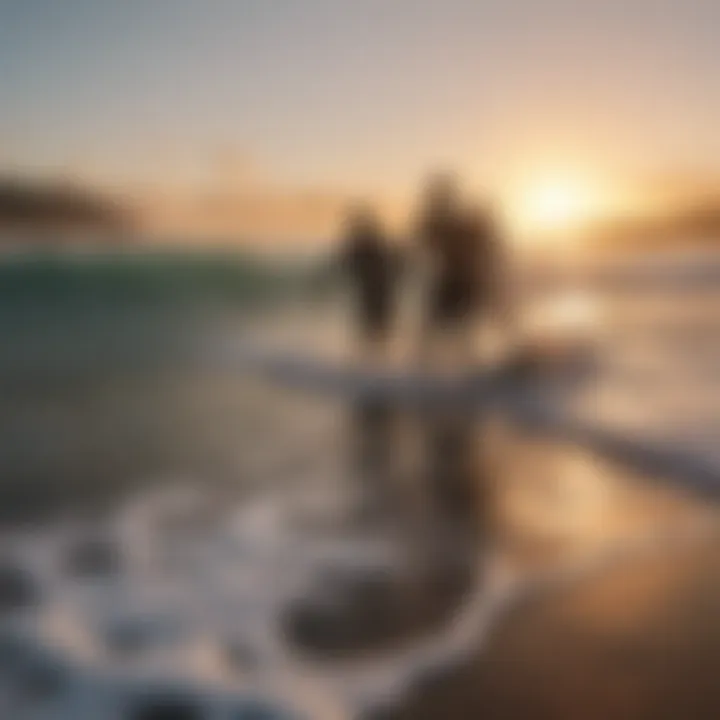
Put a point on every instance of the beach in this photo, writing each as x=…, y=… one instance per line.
x=325, y=557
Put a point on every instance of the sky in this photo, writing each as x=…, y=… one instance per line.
x=347, y=97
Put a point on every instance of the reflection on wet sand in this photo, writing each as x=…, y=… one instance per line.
x=423, y=562
x=640, y=640
x=613, y=579
x=618, y=613
x=417, y=479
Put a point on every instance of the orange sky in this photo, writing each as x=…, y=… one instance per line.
x=289, y=109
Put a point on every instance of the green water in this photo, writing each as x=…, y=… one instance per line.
x=100, y=385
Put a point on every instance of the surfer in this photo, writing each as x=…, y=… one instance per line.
x=446, y=242
x=467, y=275
x=373, y=268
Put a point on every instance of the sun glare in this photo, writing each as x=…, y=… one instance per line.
x=556, y=205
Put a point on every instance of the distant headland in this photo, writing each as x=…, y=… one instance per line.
x=46, y=211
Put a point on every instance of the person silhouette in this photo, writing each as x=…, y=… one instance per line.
x=466, y=266
x=372, y=266
x=445, y=241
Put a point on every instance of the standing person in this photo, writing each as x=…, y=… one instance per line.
x=446, y=240
x=468, y=268
x=372, y=267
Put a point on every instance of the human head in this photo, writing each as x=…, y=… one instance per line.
x=442, y=192
x=361, y=218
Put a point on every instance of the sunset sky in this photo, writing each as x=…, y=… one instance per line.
x=277, y=98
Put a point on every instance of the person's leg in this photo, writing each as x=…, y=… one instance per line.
x=459, y=321
x=377, y=334
x=437, y=325
x=427, y=334
x=472, y=323
x=466, y=352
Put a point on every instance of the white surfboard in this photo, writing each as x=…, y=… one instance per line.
x=528, y=388
x=530, y=365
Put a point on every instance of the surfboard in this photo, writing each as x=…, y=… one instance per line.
x=529, y=364
x=527, y=387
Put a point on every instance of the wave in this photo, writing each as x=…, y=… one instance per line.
x=163, y=275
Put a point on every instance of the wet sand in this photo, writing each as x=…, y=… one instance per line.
x=517, y=577
x=613, y=608
x=638, y=641
x=514, y=577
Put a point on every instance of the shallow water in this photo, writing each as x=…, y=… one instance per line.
x=349, y=590
x=195, y=537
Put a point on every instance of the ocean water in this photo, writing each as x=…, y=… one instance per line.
x=98, y=369
x=184, y=538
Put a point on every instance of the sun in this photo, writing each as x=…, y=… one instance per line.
x=555, y=205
